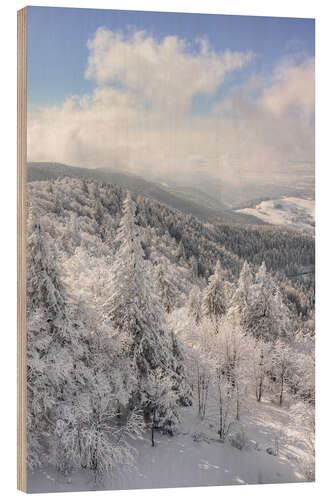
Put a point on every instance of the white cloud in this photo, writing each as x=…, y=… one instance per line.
x=293, y=88
x=163, y=74
x=144, y=123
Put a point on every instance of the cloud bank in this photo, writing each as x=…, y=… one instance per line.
x=141, y=115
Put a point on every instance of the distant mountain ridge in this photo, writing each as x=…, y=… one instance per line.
x=39, y=171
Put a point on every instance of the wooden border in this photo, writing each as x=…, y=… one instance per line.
x=21, y=249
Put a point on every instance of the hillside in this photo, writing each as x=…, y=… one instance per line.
x=285, y=252
x=293, y=213
x=203, y=207
x=195, y=457
x=133, y=309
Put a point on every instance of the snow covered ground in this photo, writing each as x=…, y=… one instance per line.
x=196, y=457
x=294, y=213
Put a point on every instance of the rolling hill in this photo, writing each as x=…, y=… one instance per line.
x=202, y=207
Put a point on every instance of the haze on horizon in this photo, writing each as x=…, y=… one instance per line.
x=174, y=100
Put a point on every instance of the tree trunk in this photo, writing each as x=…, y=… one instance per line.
x=220, y=410
x=152, y=429
x=281, y=393
x=203, y=385
x=259, y=391
x=206, y=385
x=199, y=399
x=237, y=403
x=261, y=364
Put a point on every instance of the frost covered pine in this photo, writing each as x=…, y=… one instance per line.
x=164, y=287
x=194, y=304
x=72, y=397
x=134, y=307
x=48, y=362
x=264, y=314
x=214, y=300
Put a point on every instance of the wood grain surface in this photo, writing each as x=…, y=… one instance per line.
x=21, y=250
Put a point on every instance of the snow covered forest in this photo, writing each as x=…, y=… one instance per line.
x=164, y=350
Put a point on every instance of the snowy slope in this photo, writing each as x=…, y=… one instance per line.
x=196, y=457
x=294, y=213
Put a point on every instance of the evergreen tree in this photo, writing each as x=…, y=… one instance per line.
x=180, y=386
x=194, y=304
x=73, y=374
x=133, y=307
x=165, y=289
x=193, y=262
x=180, y=253
x=266, y=317
x=241, y=299
x=161, y=400
x=245, y=282
x=214, y=300
x=49, y=354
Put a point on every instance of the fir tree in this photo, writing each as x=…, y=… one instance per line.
x=49, y=359
x=214, y=300
x=266, y=317
x=164, y=289
x=161, y=400
x=180, y=253
x=194, y=304
x=193, y=262
x=133, y=307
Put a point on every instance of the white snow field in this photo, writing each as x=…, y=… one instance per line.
x=294, y=213
x=196, y=457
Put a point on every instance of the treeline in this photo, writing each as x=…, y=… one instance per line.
x=285, y=251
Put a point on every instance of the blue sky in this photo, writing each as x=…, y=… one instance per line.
x=57, y=41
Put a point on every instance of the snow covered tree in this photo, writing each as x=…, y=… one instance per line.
x=103, y=444
x=44, y=288
x=260, y=364
x=214, y=301
x=302, y=376
x=48, y=356
x=194, y=303
x=266, y=316
x=58, y=206
x=84, y=186
x=226, y=405
x=161, y=401
x=98, y=211
x=165, y=289
x=71, y=237
x=70, y=383
x=230, y=352
x=180, y=253
x=180, y=386
x=303, y=417
x=203, y=361
x=244, y=284
x=58, y=356
x=242, y=295
x=133, y=305
x=193, y=263
x=282, y=366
